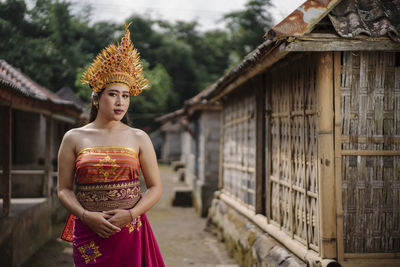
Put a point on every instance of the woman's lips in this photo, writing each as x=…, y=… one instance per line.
x=118, y=111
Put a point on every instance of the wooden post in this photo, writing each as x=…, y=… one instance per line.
x=338, y=156
x=326, y=153
x=47, y=163
x=7, y=146
x=268, y=145
x=221, y=150
x=258, y=83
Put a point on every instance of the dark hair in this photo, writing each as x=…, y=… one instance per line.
x=93, y=111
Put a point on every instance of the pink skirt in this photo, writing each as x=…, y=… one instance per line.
x=134, y=246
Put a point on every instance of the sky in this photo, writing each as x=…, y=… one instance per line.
x=206, y=12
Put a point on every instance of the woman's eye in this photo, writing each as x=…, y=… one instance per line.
x=125, y=96
x=112, y=94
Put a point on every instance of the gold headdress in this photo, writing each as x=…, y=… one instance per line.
x=117, y=64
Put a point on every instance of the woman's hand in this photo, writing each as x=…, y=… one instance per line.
x=98, y=222
x=119, y=217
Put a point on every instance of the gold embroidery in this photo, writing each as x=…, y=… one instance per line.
x=135, y=224
x=109, y=149
x=106, y=197
x=100, y=166
x=90, y=252
x=108, y=186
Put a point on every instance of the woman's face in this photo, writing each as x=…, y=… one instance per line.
x=114, y=102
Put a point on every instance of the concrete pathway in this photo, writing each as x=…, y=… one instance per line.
x=180, y=233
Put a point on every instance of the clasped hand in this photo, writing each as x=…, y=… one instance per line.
x=106, y=223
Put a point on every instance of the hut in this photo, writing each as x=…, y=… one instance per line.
x=170, y=131
x=198, y=163
x=33, y=121
x=200, y=150
x=310, y=158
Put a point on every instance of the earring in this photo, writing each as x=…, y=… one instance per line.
x=96, y=104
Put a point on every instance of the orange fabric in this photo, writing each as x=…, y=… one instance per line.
x=68, y=232
x=105, y=168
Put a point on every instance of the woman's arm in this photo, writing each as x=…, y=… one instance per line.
x=151, y=173
x=97, y=221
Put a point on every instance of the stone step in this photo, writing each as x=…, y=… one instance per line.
x=182, y=197
x=175, y=165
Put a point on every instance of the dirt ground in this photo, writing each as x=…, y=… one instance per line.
x=180, y=233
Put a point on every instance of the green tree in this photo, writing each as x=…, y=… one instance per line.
x=247, y=27
x=181, y=60
x=58, y=42
x=154, y=101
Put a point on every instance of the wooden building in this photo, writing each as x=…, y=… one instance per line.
x=33, y=121
x=310, y=144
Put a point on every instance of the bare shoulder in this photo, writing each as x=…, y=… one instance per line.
x=73, y=136
x=138, y=133
x=143, y=139
x=70, y=136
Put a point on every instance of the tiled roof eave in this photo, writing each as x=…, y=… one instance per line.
x=13, y=94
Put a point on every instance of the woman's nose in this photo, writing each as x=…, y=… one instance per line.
x=119, y=101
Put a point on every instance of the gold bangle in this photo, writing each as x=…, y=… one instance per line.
x=131, y=215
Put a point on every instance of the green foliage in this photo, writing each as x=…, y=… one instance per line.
x=247, y=27
x=83, y=91
x=53, y=47
x=152, y=102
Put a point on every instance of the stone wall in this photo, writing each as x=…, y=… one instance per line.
x=26, y=229
x=171, y=149
x=207, y=161
x=188, y=157
x=247, y=243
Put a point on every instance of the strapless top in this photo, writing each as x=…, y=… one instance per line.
x=107, y=177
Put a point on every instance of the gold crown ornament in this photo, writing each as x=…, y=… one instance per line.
x=117, y=64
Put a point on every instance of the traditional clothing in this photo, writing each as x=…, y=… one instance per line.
x=107, y=178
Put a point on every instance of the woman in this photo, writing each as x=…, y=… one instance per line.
x=107, y=224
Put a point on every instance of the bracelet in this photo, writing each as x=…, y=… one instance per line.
x=131, y=215
x=83, y=215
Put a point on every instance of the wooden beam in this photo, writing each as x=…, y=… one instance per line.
x=374, y=256
x=387, y=140
x=238, y=120
x=26, y=172
x=258, y=83
x=47, y=162
x=370, y=153
x=326, y=183
x=341, y=45
x=63, y=118
x=7, y=147
x=238, y=167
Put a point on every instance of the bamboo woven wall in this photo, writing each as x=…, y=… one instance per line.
x=293, y=180
x=239, y=145
x=370, y=106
